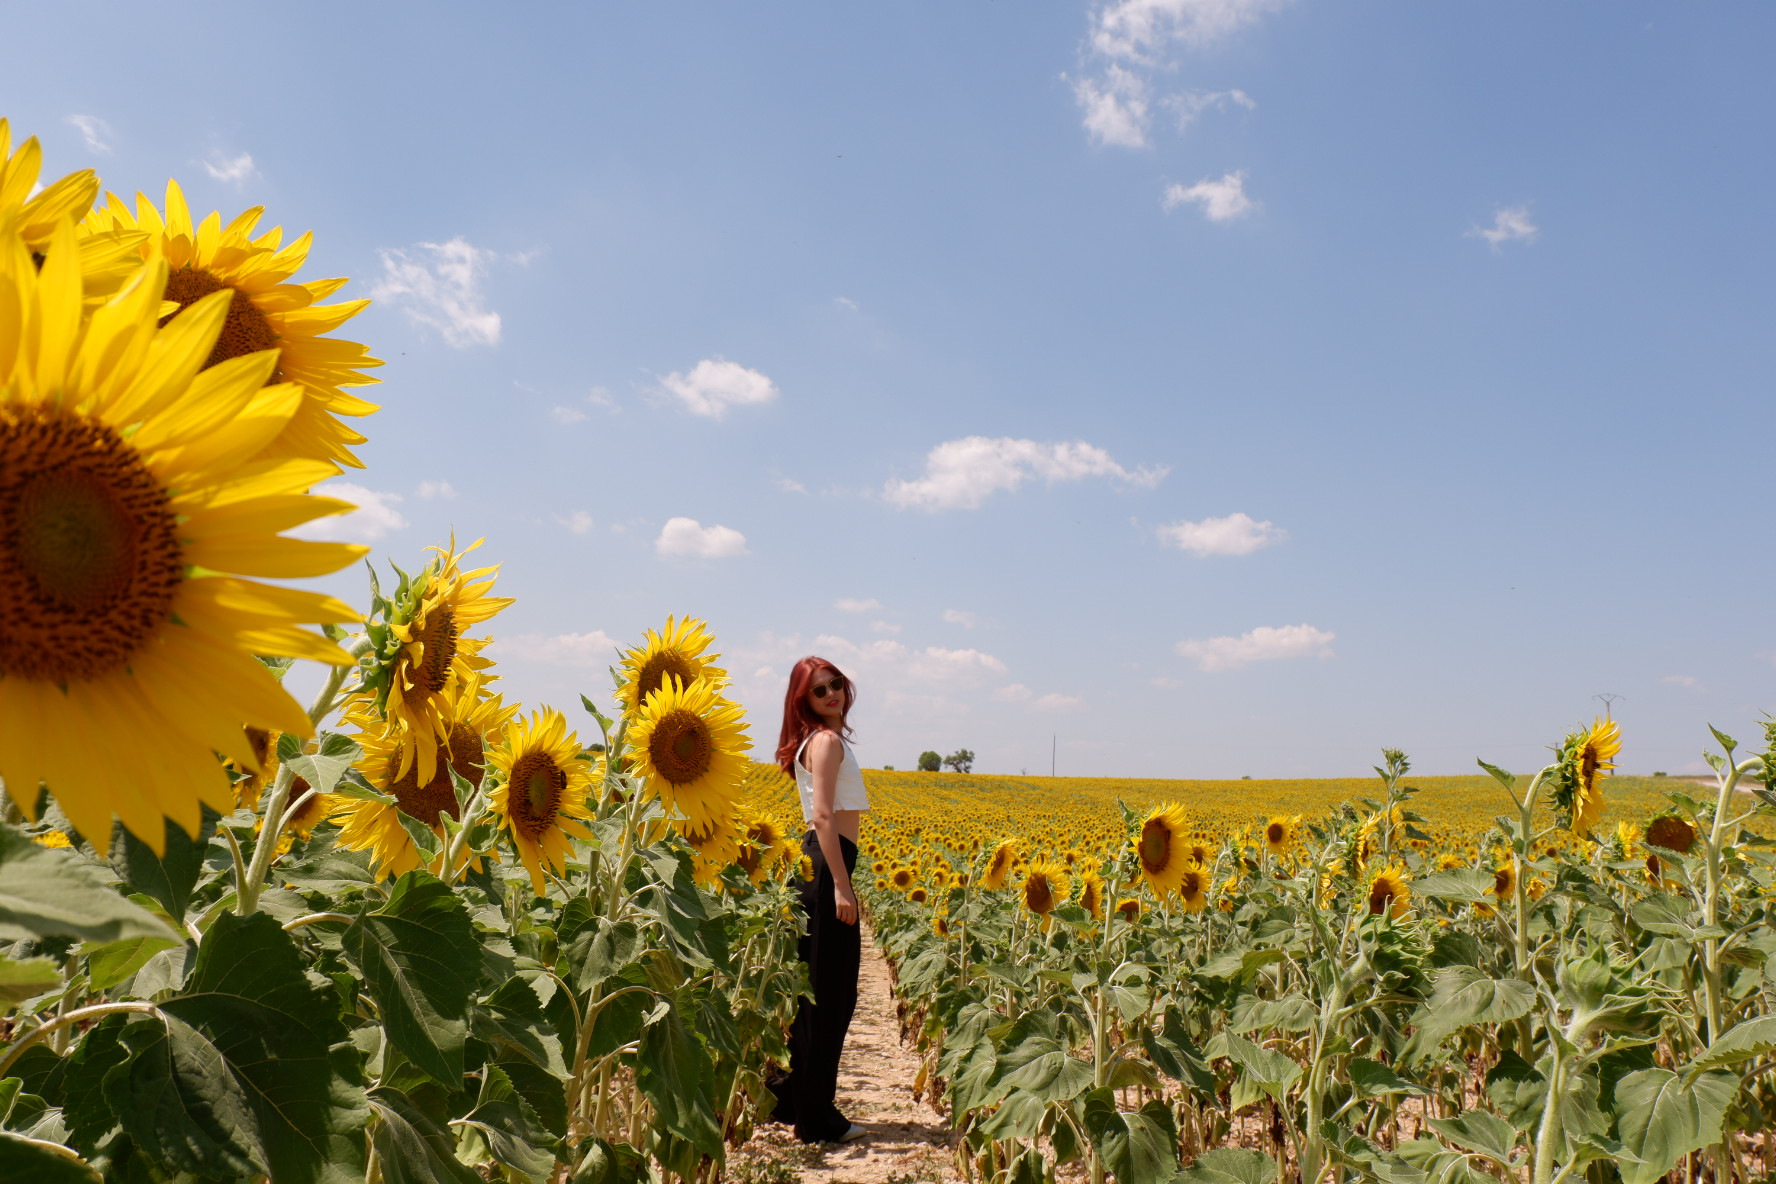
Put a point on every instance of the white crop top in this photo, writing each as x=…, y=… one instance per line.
x=848, y=792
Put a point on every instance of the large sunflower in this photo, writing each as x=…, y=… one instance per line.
x=1279, y=834
x=541, y=798
x=127, y=517
x=1045, y=888
x=1091, y=895
x=675, y=652
x=1586, y=758
x=766, y=845
x=687, y=743
x=1388, y=891
x=106, y=260
x=1193, y=888
x=376, y=826
x=1161, y=847
x=266, y=311
x=422, y=655
x=999, y=864
x=717, y=846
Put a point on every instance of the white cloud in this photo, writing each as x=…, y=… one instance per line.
x=687, y=536
x=1138, y=29
x=1015, y=692
x=1680, y=680
x=232, y=170
x=374, y=518
x=845, y=302
x=566, y=415
x=715, y=384
x=1057, y=702
x=600, y=396
x=1221, y=201
x=1236, y=534
x=1510, y=224
x=1115, y=107
x=1263, y=644
x=850, y=604
x=436, y=489
x=961, y=474
x=1166, y=683
x=596, y=649
x=956, y=616
x=579, y=521
x=791, y=485
x=1188, y=105
x=94, y=130
x=883, y=627
x=439, y=285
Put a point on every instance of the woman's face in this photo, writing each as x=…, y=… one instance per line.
x=828, y=695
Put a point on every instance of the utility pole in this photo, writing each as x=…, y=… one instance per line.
x=1609, y=698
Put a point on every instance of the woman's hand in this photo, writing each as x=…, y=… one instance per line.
x=845, y=903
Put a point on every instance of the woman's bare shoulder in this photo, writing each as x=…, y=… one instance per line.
x=824, y=742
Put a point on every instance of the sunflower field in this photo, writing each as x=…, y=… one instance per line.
x=1229, y=993
x=407, y=933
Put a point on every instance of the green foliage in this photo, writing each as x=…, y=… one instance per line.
x=929, y=762
x=962, y=760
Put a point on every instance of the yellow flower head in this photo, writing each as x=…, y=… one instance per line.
x=1091, y=895
x=688, y=743
x=676, y=652
x=1280, y=834
x=1586, y=758
x=1046, y=887
x=128, y=518
x=1388, y=891
x=541, y=797
x=999, y=864
x=765, y=846
x=267, y=310
x=1130, y=908
x=1161, y=847
x=717, y=848
x=1670, y=832
x=1193, y=888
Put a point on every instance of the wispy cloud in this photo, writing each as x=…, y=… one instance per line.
x=956, y=616
x=962, y=474
x=884, y=627
x=845, y=302
x=436, y=489
x=1055, y=701
x=595, y=650
x=1510, y=224
x=566, y=415
x=1680, y=680
x=716, y=384
x=1221, y=201
x=373, y=519
x=1236, y=534
x=1141, y=29
x=231, y=170
x=95, y=130
x=688, y=538
x=1263, y=644
x=1115, y=107
x=850, y=604
x=579, y=521
x=791, y=485
x=438, y=285
x=1187, y=106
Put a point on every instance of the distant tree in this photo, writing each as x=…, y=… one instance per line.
x=929, y=762
x=962, y=760
x=887, y=768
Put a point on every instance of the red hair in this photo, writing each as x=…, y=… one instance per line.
x=798, y=718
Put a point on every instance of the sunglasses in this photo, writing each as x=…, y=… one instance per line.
x=836, y=686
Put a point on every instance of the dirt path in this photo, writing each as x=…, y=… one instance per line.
x=908, y=1142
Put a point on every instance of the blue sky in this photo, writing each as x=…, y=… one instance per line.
x=1222, y=386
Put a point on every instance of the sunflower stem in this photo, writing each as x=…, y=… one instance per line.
x=77, y=1016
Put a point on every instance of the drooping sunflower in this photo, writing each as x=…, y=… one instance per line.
x=675, y=652
x=1504, y=881
x=421, y=655
x=376, y=827
x=541, y=796
x=1280, y=833
x=1388, y=891
x=1046, y=887
x=766, y=845
x=127, y=521
x=1193, y=888
x=252, y=780
x=717, y=848
x=1161, y=848
x=918, y=896
x=1091, y=895
x=1586, y=758
x=1670, y=832
x=688, y=742
x=267, y=311
x=1130, y=908
x=999, y=864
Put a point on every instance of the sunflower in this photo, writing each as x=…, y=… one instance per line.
x=687, y=742
x=376, y=826
x=675, y=652
x=541, y=797
x=717, y=848
x=999, y=864
x=249, y=784
x=266, y=311
x=805, y=870
x=106, y=260
x=422, y=656
x=1130, y=908
x=1193, y=887
x=1045, y=887
x=1388, y=891
x=918, y=896
x=901, y=878
x=940, y=925
x=1586, y=758
x=1229, y=887
x=1504, y=881
x=1161, y=848
x=765, y=846
x=1280, y=833
x=1091, y=895
x=127, y=517
x=1670, y=832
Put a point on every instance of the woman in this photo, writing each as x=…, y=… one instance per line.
x=812, y=749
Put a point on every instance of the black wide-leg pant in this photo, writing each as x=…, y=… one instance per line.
x=832, y=951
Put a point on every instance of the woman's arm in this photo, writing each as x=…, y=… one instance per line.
x=824, y=756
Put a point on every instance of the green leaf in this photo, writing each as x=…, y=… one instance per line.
x=177, y=1099
x=510, y=1127
x=1374, y=1079
x=1741, y=1042
x=420, y=962
x=411, y=1148
x=42, y=1162
x=599, y=950
x=1230, y=1165
x=674, y=1072
x=1139, y=1147
x=1054, y=1076
x=1464, y=995
x=27, y=978
x=323, y=768
x=169, y=877
x=1499, y=775
x=109, y=963
x=611, y=1163
x=1468, y=885
x=1478, y=1130
x=249, y=997
x=1661, y=1119
x=48, y=892
x=1271, y=1070
x=1172, y=1050
x=1292, y=1013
